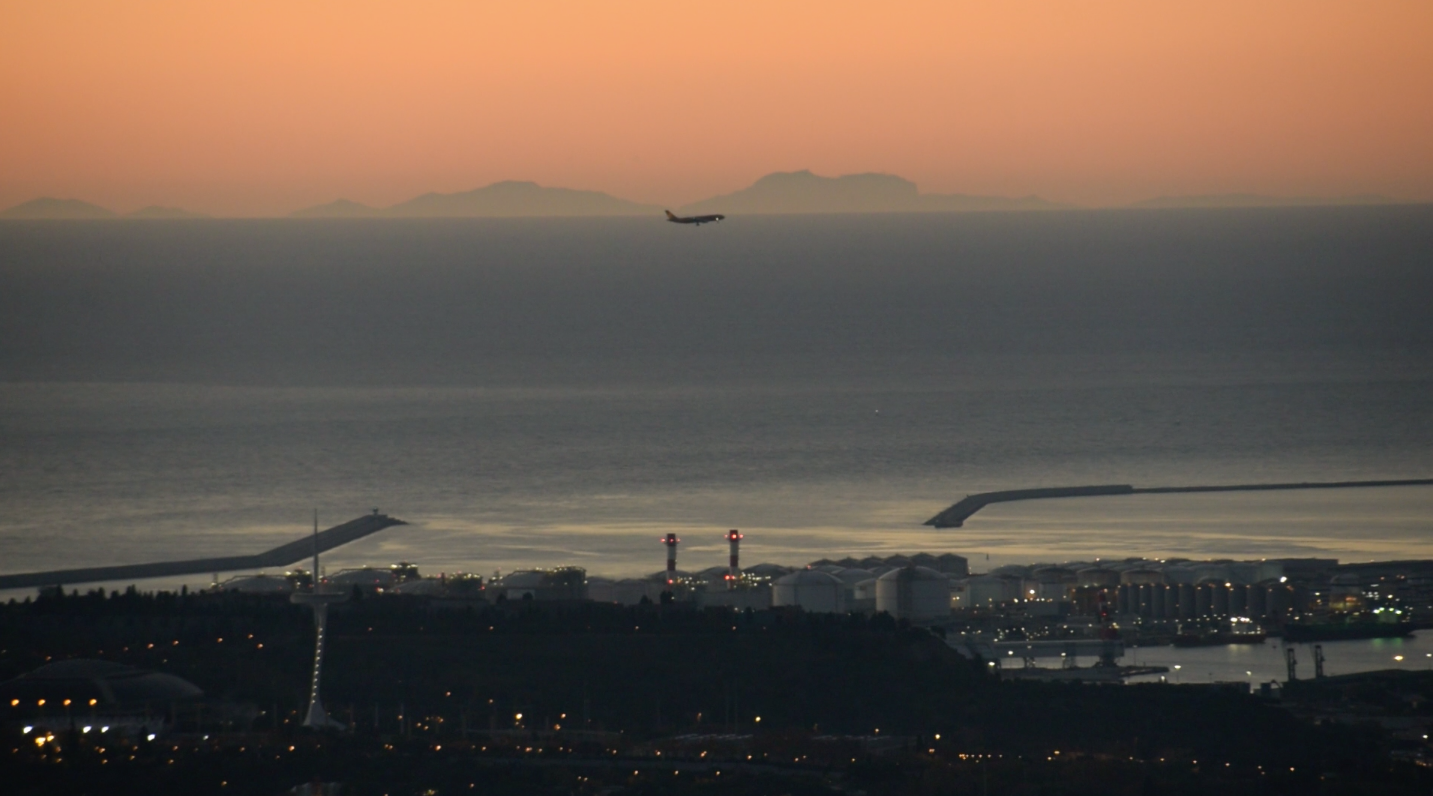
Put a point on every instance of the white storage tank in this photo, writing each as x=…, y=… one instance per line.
x=1141, y=577
x=368, y=579
x=1179, y=573
x=1098, y=576
x=850, y=577
x=953, y=565
x=919, y=594
x=258, y=584
x=810, y=590
x=1245, y=572
x=1212, y=572
x=988, y=590
x=431, y=587
x=865, y=590
x=1050, y=583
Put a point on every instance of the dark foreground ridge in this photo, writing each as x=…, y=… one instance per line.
x=957, y=514
x=576, y=698
x=280, y=556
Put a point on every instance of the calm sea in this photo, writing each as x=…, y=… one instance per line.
x=543, y=392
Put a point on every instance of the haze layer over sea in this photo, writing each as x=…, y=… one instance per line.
x=561, y=391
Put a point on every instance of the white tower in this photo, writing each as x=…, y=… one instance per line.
x=319, y=600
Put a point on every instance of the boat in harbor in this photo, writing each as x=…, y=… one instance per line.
x=1345, y=631
x=1219, y=638
x=1236, y=631
x=1379, y=623
x=1080, y=674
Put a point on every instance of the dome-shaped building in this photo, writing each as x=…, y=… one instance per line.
x=865, y=590
x=81, y=693
x=850, y=577
x=1098, y=576
x=422, y=587
x=766, y=570
x=110, y=685
x=1141, y=577
x=369, y=579
x=860, y=588
x=258, y=584
x=919, y=594
x=1050, y=583
x=987, y=591
x=817, y=592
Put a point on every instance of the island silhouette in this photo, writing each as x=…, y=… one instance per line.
x=783, y=192
x=805, y=192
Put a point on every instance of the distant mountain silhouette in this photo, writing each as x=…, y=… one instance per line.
x=804, y=192
x=501, y=199
x=338, y=208
x=1259, y=200
x=46, y=207
x=156, y=211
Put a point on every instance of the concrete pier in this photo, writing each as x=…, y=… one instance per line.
x=281, y=556
x=958, y=513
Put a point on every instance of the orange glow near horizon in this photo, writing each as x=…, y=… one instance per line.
x=263, y=107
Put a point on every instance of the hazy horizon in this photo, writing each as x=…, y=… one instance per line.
x=734, y=202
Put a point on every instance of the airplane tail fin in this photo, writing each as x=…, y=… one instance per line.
x=670, y=215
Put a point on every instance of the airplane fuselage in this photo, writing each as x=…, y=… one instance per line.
x=697, y=220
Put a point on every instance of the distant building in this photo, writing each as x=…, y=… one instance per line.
x=257, y=584
x=919, y=594
x=562, y=583
x=94, y=695
x=810, y=590
x=373, y=580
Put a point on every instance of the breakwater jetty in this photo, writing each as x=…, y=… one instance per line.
x=280, y=556
x=957, y=514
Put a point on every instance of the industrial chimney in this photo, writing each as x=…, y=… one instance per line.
x=671, y=543
x=733, y=538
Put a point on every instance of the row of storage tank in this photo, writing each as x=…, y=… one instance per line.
x=923, y=594
x=1191, y=601
x=910, y=591
x=1137, y=571
x=1149, y=593
x=916, y=593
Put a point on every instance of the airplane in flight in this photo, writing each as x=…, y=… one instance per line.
x=698, y=220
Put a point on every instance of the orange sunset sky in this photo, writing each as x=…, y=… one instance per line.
x=259, y=107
